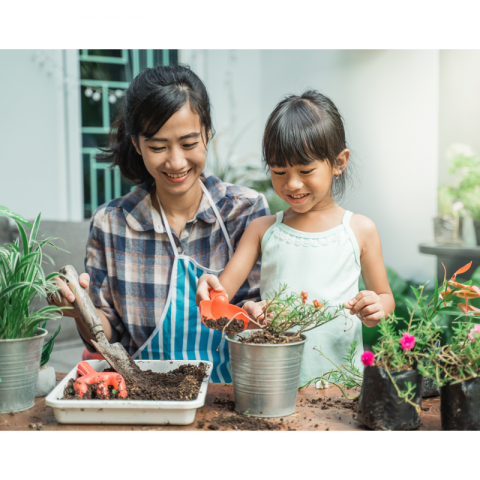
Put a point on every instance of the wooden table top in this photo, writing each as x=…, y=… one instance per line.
x=219, y=401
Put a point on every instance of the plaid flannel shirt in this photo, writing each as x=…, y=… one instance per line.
x=130, y=259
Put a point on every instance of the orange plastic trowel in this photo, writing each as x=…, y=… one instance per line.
x=219, y=307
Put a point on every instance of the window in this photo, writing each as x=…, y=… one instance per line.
x=105, y=75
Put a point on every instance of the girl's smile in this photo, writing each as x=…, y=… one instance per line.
x=298, y=198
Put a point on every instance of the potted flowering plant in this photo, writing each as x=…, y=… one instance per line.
x=391, y=389
x=21, y=335
x=455, y=367
x=266, y=362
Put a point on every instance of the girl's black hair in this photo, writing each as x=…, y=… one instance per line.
x=154, y=95
x=303, y=129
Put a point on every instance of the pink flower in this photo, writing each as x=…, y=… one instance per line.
x=407, y=342
x=367, y=358
x=475, y=329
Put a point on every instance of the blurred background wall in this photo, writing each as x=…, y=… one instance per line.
x=40, y=134
x=402, y=109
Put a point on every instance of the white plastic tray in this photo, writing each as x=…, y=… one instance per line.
x=137, y=412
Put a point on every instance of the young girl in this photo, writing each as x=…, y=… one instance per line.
x=315, y=246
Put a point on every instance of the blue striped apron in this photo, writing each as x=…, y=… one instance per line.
x=180, y=333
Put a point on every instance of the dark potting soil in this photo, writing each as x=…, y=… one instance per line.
x=229, y=404
x=234, y=326
x=183, y=383
x=328, y=403
x=264, y=336
x=242, y=422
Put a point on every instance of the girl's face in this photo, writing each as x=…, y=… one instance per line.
x=175, y=156
x=307, y=187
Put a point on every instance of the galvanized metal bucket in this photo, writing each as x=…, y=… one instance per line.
x=265, y=377
x=19, y=364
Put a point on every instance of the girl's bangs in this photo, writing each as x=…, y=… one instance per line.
x=294, y=139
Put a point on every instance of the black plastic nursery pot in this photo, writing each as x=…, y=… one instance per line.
x=460, y=405
x=380, y=407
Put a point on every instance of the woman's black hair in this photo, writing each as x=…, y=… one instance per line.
x=154, y=95
x=303, y=129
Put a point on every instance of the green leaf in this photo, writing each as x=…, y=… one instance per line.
x=36, y=225
x=6, y=212
x=48, y=347
x=23, y=235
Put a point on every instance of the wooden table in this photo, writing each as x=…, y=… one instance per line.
x=307, y=416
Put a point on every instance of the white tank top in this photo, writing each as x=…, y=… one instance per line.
x=326, y=265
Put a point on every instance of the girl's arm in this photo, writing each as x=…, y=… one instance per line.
x=240, y=265
x=377, y=301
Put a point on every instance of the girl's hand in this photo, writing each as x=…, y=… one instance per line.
x=254, y=310
x=64, y=297
x=206, y=283
x=367, y=306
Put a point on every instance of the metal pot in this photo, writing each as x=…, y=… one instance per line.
x=265, y=377
x=19, y=364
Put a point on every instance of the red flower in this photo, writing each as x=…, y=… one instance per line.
x=407, y=342
x=317, y=304
x=367, y=358
x=304, y=296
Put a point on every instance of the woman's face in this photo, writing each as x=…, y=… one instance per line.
x=175, y=156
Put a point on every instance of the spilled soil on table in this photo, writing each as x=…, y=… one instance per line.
x=241, y=422
x=183, y=383
x=266, y=337
x=234, y=326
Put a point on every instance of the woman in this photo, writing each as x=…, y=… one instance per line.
x=146, y=250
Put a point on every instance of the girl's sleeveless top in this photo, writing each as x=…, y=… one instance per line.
x=325, y=265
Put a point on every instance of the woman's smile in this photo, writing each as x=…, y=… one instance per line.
x=177, y=177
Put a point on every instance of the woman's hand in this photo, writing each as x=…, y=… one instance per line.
x=206, y=283
x=367, y=306
x=64, y=297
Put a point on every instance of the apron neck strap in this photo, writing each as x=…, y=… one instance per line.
x=219, y=218
x=215, y=210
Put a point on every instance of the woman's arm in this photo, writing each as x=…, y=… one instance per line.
x=377, y=301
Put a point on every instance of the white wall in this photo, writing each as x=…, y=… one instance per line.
x=40, y=159
x=233, y=81
x=459, y=120
x=390, y=103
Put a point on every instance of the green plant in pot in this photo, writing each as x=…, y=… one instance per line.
x=266, y=362
x=391, y=389
x=455, y=367
x=21, y=335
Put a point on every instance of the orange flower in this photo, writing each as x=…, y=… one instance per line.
x=465, y=291
x=317, y=304
x=304, y=296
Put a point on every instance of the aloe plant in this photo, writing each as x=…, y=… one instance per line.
x=22, y=279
